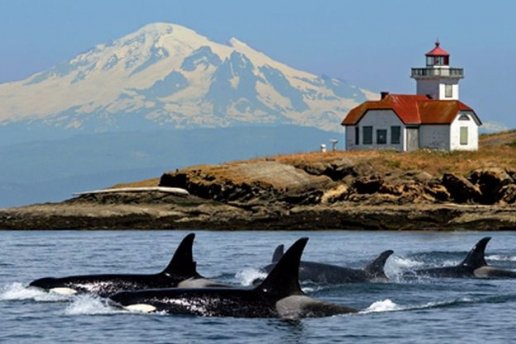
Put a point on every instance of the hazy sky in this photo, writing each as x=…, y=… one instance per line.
x=372, y=44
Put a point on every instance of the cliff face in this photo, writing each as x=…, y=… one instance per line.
x=341, y=180
x=424, y=190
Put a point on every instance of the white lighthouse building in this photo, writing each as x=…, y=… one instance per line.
x=433, y=118
x=438, y=80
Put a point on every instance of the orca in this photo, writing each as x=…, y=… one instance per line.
x=279, y=295
x=181, y=271
x=473, y=266
x=332, y=274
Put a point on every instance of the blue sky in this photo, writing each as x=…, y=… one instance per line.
x=372, y=44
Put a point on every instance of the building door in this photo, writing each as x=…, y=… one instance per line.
x=412, y=139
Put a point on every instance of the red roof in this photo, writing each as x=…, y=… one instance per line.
x=411, y=109
x=437, y=51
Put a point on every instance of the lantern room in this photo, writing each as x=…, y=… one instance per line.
x=437, y=56
x=437, y=79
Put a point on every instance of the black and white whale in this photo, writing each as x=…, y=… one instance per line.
x=474, y=265
x=279, y=295
x=180, y=272
x=333, y=274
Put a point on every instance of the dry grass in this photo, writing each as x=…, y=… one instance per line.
x=142, y=183
x=497, y=139
x=496, y=150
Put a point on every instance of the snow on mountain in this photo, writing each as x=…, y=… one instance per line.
x=167, y=74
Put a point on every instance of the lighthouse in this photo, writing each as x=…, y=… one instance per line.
x=434, y=118
x=438, y=80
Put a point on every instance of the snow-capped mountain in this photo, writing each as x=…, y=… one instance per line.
x=166, y=74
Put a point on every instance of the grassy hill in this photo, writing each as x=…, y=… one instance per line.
x=495, y=150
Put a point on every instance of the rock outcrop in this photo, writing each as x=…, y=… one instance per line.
x=280, y=193
x=461, y=189
x=339, y=181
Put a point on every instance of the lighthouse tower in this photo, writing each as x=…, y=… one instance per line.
x=438, y=80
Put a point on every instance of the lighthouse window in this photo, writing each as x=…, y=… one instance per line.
x=381, y=136
x=367, y=135
x=448, y=91
x=463, y=136
x=395, y=135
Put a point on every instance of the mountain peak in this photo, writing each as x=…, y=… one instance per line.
x=157, y=27
x=235, y=43
x=161, y=30
x=168, y=74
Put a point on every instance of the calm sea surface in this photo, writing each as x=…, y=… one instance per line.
x=401, y=311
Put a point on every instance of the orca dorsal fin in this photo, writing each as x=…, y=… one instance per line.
x=278, y=253
x=375, y=269
x=182, y=263
x=475, y=257
x=283, y=280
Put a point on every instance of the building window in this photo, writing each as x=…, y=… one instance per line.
x=395, y=135
x=381, y=136
x=448, y=91
x=464, y=118
x=367, y=135
x=463, y=136
x=357, y=136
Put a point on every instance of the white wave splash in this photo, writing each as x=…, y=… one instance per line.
x=382, y=306
x=449, y=262
x=396, y=265
x=501, y=258
x=389, y=306
x=17, y=291
x=247, y=276
x=89, y=305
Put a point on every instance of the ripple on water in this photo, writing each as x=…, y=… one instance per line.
x=414, y=310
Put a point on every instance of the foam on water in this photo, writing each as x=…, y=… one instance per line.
x=437, y=304
x=247, y=276
x=396, y=265
x=308, y=290
x=501, y=258
x=449, y=263
x=17, y=291
x=89, y=305
x=389, y=306
x=382, y=306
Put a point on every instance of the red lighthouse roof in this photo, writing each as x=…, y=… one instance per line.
x=412, y=109
x=437, y=51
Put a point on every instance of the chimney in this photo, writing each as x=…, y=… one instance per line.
x=384, y=94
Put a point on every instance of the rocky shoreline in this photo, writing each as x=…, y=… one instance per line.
x=336, y=191
x=223, y=217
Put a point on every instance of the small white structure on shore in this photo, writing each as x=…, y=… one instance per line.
x=433, y=118
x=176, y=191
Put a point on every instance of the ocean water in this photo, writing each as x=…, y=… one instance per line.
x=399, y=311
